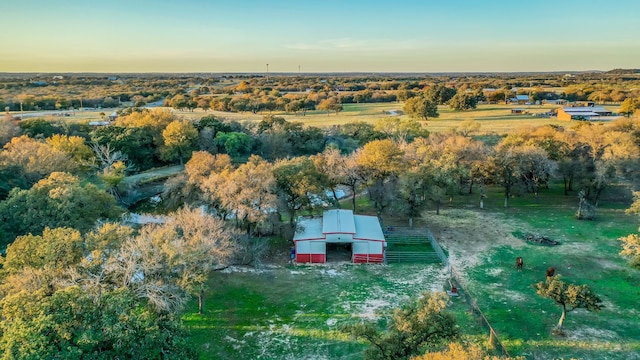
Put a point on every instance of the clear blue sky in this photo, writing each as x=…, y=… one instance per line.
x=327, y=35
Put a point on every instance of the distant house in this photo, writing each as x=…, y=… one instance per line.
x=58, y=77
x=113, y=116
x=518, y=111
x=360, y=233
x=555, y=102
x=582, y=113
x=520, y=99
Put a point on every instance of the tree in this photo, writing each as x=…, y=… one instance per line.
x=11, y=176
x=439, y=94
x=298, y=182
x=56, y=249
x=8, y=130
x=569, y=296
x=74, y=146
x=463, y=101
x=379, y=163
x=418, y=326
x=631, y=243
x=421, y=108
x=412, y=187
x=179, y=140
x=330, y=104
x=233, y=143
x=468, y=127
x=505, y=163
x=629, y=106
x=72, y=324
x=36, y=159
x=462, y=351
x=38, y=128
x=136, y=143
x=401, y=129
x=534, y=167
x=202, y=243
x=631, y=249
x=60, y=200
x=249, y=193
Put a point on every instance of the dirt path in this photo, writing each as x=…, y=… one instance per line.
x=467, y=234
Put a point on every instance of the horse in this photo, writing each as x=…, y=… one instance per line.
x=519, y=263
x=551, y=271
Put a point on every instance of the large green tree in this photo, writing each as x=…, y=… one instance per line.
x=60, y=200
x=421, y=108
x=179, y=140
x=463, y=101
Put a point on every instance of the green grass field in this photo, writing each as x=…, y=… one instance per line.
x=294, y=312
x=494, y=118
x=588, y=254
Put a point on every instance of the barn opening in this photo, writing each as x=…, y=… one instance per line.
x=339, y=252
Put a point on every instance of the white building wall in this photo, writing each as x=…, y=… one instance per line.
x=318, y=247
x=367, y=247
x=303, y=247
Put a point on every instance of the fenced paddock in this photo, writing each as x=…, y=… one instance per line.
x=410, y=245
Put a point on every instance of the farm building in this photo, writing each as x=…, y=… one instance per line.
x=554, y=101
x=520, y=100
x=360, y=235
x=582, y=113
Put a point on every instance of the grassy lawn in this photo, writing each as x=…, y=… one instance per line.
x=294, y=312
x=588, y=254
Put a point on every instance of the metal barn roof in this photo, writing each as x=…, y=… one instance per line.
x=362, y=227
x=368, y=227
x=338, y=222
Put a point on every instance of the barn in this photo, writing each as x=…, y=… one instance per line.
x=361, y=235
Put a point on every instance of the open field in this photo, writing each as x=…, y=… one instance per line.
x=494, y=118
x=483, y=248
x=294, y=312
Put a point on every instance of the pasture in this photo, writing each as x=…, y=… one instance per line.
x=483, y=246
x=493, y=118
x=292, y=312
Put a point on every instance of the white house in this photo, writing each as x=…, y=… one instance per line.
x=361, y=232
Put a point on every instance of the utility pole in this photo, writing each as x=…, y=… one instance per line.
x=267, y=73
x=298, y=69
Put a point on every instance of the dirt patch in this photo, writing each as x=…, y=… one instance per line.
x=591, y=334
x=466, y=234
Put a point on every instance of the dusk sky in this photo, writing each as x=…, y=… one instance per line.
x=320, y=36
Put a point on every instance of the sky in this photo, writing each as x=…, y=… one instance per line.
x=224, y=36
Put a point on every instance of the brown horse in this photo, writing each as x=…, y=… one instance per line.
x=551, y=271
x=519, y=263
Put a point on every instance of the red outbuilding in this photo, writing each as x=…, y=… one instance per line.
x=361, y=233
